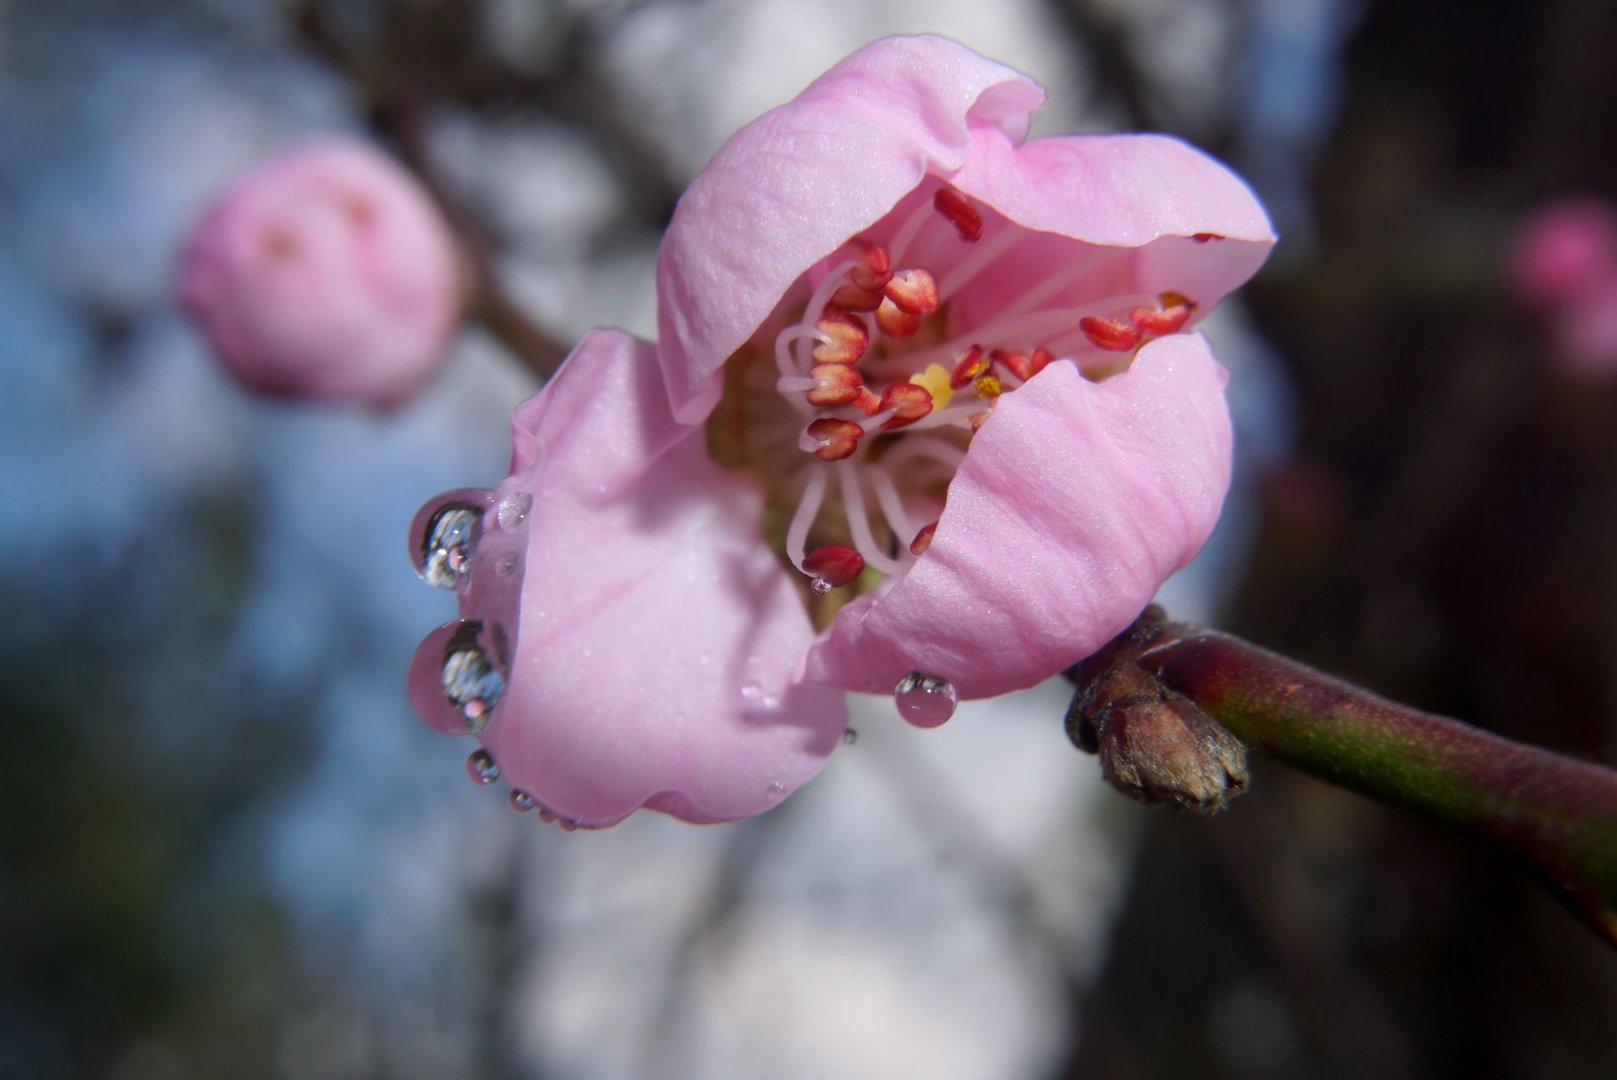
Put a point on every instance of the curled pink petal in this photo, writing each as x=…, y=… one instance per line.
x=1075, y=502
x=1173, y=218
x=651, y=634
x=798, y=182
x=326, y=273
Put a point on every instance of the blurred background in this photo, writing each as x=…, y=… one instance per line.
x=231, y=850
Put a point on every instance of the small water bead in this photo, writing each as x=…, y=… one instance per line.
x=470, y=682
x=447, y=544
x=820, y=586
x=513, y=509
x=520, y=800
x=849, y=736
x=925, y=700
x=481, y=767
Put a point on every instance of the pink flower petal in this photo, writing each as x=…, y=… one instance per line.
x=794, y=185
x=656, y=635
x=1074, y=503
x=1178, y=220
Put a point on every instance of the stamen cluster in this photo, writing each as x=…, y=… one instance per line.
x=857, y=366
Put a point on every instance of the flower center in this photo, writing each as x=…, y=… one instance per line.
x=857, y=412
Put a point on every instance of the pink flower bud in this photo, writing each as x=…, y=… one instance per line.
x=326, y=272
x=1564, y=249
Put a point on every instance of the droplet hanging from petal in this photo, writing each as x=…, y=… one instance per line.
x=481, y=767
x=470, y=683
x=925, y=700
x=444, y=537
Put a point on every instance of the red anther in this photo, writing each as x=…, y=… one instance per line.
x=872, y=268
x=1109, y=333
x=846, y=337
x=1013, y=362
x=866, y=402
x=1152, y=322
x=968, y=367
x=834, y=564
x=894, y=321
x=923, y=539
x=1203, y=237
x=958, y=209
x=840, y=384
x=837, y=438
x=1040, y=360
x=913, y=290
x=853, y=298
x=909, y=402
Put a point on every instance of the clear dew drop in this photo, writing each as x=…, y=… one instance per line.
x=752, y=693
x=504, y=565
x=520, y=800
x=820, y=586
x=481, y=767
x=776, y=789
x=849, y=736
x=470, y=682
x=447, y=544
x=513, y=509
x=925, y=700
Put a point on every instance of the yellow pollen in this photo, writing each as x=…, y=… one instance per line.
x=988, y=386
x=935, y=381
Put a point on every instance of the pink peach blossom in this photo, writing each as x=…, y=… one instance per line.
x=325, y=273
x=921, y=385
x=1087, y=485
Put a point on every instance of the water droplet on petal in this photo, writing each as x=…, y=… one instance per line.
x=451, y=683
x=520, y=800
x=480, y=766
x=751, y=692
x=513, y=509
x=776, y=789
x=566, y=824
x=504, y=565
x=849, y=736
x=445, y=534
x=470, y=682
x=546, y=815
x=925, y=700
x=820, y=586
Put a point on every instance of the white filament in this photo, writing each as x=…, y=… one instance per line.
x=853, y=504
x=808, y=508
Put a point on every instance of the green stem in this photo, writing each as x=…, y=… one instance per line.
x=1558, y=813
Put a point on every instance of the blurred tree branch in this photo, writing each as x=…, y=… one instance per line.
x=426, y=54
